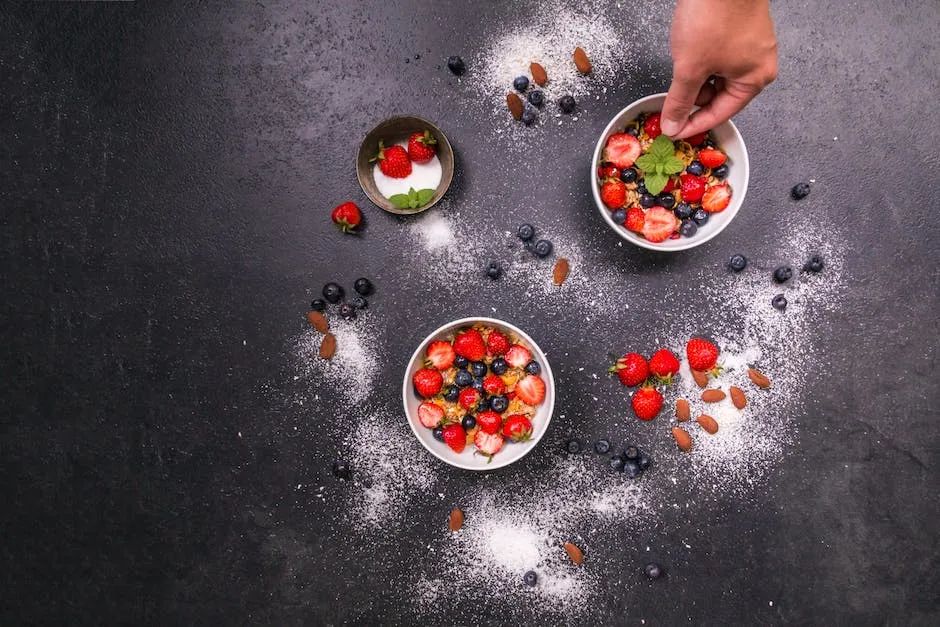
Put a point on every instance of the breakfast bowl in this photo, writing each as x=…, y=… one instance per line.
x=429, y=181
x=478, y=406
x=711, y=186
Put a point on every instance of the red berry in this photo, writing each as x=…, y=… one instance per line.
x=421, y=147
x=489, y=421
x=518, y=356
x=651, y=125
x=347, y=217
x=614, y=193
x=716, y=198
x=697, y=140
x=658, y=224
x=469, y=344
x=493, y=385
x=664, y=364
x=692, y=187
x=488, y=443
x=517, y=428
x=670, y=184
x=711, y=158
x=702, y=354
x=430, y=414
x=440, y=355
x=497, y=343
x=631, y=369
x=622, y=150
x=635, y=219
x=455, y=437
x=427, y=382
x=607, y=171
x=393, y=161
x=531, y=390
x=468, y=398
x=646, y=403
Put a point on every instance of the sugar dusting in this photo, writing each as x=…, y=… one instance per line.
x=352, y=368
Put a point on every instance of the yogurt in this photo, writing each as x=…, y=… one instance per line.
x=423, y=176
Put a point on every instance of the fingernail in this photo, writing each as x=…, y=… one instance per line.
x=669, y=127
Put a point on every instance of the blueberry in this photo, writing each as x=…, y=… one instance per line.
x=695, y=168
x=536, y=98
x=815, y=264
x=499, y=404
x=478, y=369
x=737, y=262
x=463, y=379
x=530, y=578
x=318, y=304
x=499, y=366
x=666, y=200
x=438, y=433
x=526, y=232
x=363, y=286
x=721, y=171
x=520, y=83
x=709, y=142
x=619, y=216
x=644, y=460
x=688, y=228
x=456, y=65
x=478, y=383
x=468, y=422
x=341, y=470
x=494, y=270
x=628, y=175
x=779, y=302
x=360, y=303
x=573, y=446
x=647, y=200
x=529, y=116
x=700, y=216
x=632, y=130
x=451, y=393
x=483, y=404
x=631, y=452
x=332, y=292
x=347, y=311
x=602, y=447
x=461, y=362
x=542, y=248
x=653, y=570
x=683, y=211
x=631, y=468
x=566, y=104
x=533, y=367
x=616, y=463
x=783, y=274
x=641, y=187
x=800, y=191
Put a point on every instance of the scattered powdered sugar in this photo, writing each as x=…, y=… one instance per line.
x=434, y=231
x=353, y=366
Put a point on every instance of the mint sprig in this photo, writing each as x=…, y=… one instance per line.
x=658, y=163
x=413, y=199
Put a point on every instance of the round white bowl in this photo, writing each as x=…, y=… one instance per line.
x=511, y=451
x=730, y=141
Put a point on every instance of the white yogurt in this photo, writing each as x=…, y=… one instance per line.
x=423, y=176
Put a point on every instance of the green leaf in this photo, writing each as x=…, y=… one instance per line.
x=673, y=165
x=655, y=183
x=660, y=168
x=425, y=196
x=662, y=147
x=647, y=162
x=400, y=200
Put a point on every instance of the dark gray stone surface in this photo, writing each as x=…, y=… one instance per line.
x=166, y=179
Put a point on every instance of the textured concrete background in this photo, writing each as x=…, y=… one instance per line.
x=165, y=179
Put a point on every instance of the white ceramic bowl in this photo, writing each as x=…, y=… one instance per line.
x=730, y=141
x=511, y=451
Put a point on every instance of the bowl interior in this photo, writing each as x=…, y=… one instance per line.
x=512, y=451
x=391, y=131
x=730, y=141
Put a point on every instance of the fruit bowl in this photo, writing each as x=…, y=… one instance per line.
x=470, y=459
x=728, y=139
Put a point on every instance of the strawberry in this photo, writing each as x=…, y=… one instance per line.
x=631, y=369
x=697, y=140
x=658, y=224
x=702, y=354
x=622, y=150
x=692, y=187
x=670, y=184
x=455, y=437
x=664, y=364
x=421, y=146
x=497, y=343
x=614, y=193
x=393, y=161
x=488, y=443
x=347, y=217
x=493, y=385
x=607, y=171
x=469, y=344
x=531, y=390
x=651, y=125
x=468, y=398
x=489, y=421
x=517, y=428
x=646, y=403
x=716, y=198
x=440, y=355
x=711, y=158
x=635, y=219
x=518, y=356
x=427, y=382
x=430, y=414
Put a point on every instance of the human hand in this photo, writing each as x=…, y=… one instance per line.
x=730, y=40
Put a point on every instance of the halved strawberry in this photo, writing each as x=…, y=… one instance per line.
x=488, y=443
x=470, y=344
x=518, y=356
x=607, y=171
x=497, y=343
x=716, y=198
x=455, y=437
x=430, y=414
x=692, y=187
x=658, y=224
x=622, y=150
x=441, y=354
x=489, y=421
x=468, y=398
x=517, y=428
x=651, y=125
x=635, y=219
x=531, y=390
x=711, y=158
x=493, y=385
x=613, y=193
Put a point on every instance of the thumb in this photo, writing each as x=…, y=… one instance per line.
x=679, y=102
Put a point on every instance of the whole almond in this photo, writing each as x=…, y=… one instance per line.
x=328, y=346
x=758, y=378
x=683, y=439
x=576, y=555
x=708, y=423
x=538, y=73
x=514, y=103
x=737, y=397
x=560, y=273
x=701, y=378
x=683, y=411
x=318, y=321
x=581, y=61
x=456, y=519
x=713, y=396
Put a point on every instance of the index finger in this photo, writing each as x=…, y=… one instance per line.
x=726, y=103
x=679, y=101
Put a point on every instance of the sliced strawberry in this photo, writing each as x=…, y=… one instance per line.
x=531, y=390
x=651, y=125
x=622, y=150
x=692, y=187
x=635, y=219
x=658, y=224
x=470, y=344
x=517, y=428
x=488, y=443
x=430, y=414
x=716, y=198
x=697, y=140
x=518, y=356
x=607, y=171
x=614, y=193
x=441, y=354
x=497, y=343
x=711, y=158
x=493, y=385
x=455, y=437
x=469, y=397
x=489, y=421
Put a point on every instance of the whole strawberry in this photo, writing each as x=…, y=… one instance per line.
x=702, y=354
x=646, y=403
x=427, y=382
x=489, y=421
x=631, y=369
x=455, y=437
x=347, y=217
x=469, y=344
x=497, y=343
x=493, y=385
x=517, y=428
x=393, y=161
x=613, y=193
x=664, y=364
x=421, y=146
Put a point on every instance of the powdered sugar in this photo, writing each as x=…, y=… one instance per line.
x=352, y=368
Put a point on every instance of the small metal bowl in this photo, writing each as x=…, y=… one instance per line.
x=391, y=131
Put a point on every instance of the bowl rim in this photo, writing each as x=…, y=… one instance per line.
x=736, y=202
x=546, y=372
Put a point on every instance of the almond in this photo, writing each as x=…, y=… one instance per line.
x=758, y=378
x=576, y=555
x=713, y=396
x=456, y=519
x=683, y=411
x=318, y=321
x=701, y=378
x=328, y=346
x=708, y=423
x=560, y=273
x=514, y=103
x=683, y=439
x=737, y=397
x=538, y=74
x=581, y=61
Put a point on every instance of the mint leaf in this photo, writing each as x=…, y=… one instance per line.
x=662, y=147
x=400, y=200
x=425, y=196
x=672, y=165
x=646, y=162
x=660, y=168
x=655, y=182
